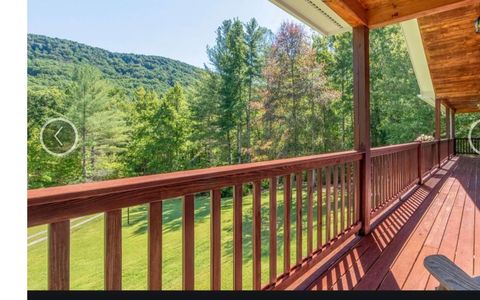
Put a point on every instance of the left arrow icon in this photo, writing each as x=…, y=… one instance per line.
x=56, y=136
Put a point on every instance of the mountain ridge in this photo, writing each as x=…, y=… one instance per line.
x=51, y=61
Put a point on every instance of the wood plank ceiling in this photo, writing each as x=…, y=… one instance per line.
x=453, y=53
x=451, y=45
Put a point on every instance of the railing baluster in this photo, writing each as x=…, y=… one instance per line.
x=215, y=240
x=342, y=197
x=357, y=192
x=309, y=212
x=319, y=209
x=155, y=245
x=384, y=180
x=59, y=256
x=349, y=194
x=287, y=202
x=335, y=203
x=113, y=250
x=273, y=229
x=256, y=235
x=328, y=203
x=298, y=182
x=237, y=237
x=188, y=239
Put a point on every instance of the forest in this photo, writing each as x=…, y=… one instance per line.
x=265, y=94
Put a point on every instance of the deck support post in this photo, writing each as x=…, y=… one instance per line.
x=453, y=133
x=361, y=103
x=419, y=163
x=448, y=128
x=438, y=112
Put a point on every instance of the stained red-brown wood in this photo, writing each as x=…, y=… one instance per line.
x=309, y=212
x=256, y=235
x=188, y=241
x=319, y=209
x=379, y=13
x=420, y=164
x=454, y=71
x=215, y=240
x=59, y=256
x=155, y=245
x=328, y=215
x=273, y=229
x=113, y=250
x=299, y=220
x=342, y=197
x=50, y=205
x=349, y=194
x=287, y=202
x=361, y=103
x=237, y=237
x=433, y=220
x=335, y=201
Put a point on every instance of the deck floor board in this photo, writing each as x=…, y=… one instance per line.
x=442, y=216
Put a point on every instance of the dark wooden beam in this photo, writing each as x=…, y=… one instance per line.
x=383, y=13
x=350, y=10
x=361, y=99
x=387, y=13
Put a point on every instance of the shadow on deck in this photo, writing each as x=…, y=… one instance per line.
x=442, y=216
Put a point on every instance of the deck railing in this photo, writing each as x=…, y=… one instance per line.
x=320, y=193
x=429, y=157
x=328, y=181
x=394, y=171
x=462, y=145
x=444, y=149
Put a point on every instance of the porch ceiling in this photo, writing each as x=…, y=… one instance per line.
x=452, y=49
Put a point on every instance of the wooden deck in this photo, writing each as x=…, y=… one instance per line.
x=442, y=216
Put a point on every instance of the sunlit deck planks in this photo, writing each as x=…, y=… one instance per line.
x=443, y=216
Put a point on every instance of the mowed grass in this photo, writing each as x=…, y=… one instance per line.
x=87, y=245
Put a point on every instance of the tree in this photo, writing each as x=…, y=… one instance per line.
x=228, y=58
x=206, y=134
x=296, y=90
x=256, y=41
x=92, y=107
x=158, y=140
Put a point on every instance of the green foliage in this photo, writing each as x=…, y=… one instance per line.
x=464, y=122
x=266, y=96
x=296, y=95
x=158, y=139
x=51, y=62
x=101, y=126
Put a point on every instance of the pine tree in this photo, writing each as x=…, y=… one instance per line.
x=255, y=39
x=228, y=58
x=93, y=109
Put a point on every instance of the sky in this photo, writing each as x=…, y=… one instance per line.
x=178, y=29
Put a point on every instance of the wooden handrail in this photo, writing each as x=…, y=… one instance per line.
x=49, y=205
x=379, y=151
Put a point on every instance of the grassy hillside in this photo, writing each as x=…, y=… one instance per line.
x=51, y=61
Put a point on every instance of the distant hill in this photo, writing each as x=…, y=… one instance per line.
x=51, y=61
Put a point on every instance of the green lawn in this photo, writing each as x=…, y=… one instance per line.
x=86, y=262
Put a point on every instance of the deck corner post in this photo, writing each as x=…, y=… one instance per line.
x=419, y=163
x=448, y=127
x=452, y=131
x=438, y=112
x=361, y=99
